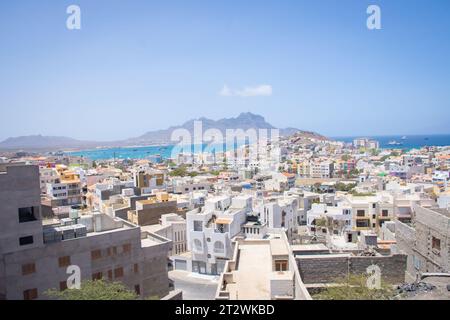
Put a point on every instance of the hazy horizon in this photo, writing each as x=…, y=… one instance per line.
x=140, y=66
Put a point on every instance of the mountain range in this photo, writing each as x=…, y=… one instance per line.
x=244, y=121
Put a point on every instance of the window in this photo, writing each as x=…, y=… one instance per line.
x=62, y=285
x=136, y=268
x=96, y=254
x=219, y=247
x=198, y=245
x=30, y=294
x=362, y=223
x=281, y=265
x=26, y=240
x=198, y=226
x=28, y=268
x=110, y=275
x=97, y=276
x=126, y=248
x=26, y=214
x=118, y=272
x=436, y=243
x=384, y=212
x=374, y=205
x=360, y=213
x=64, y=261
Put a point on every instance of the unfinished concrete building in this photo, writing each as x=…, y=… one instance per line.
x=149, y=211
x=35, y=254
x=426, y=241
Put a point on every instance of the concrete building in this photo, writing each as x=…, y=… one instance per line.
x=366, y=143
x=279, y=213
x=280, y=182
x=322, y=169
x=210, y=231
x=65, y=190
x=47, y=176
x=426, y=241
x=369, y=212
x=262, y=269
x=172, y=227
x=188, y=185
x=147, y=180
x=35, y=254
x=149, y=211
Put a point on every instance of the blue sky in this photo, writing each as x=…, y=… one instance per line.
x=136, y=66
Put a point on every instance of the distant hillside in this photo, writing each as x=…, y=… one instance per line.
x=43, y=142
x=244, y=121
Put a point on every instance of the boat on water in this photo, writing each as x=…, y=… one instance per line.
x=394, y=143
x=404, y=138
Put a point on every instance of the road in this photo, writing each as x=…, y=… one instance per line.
x=194, y=287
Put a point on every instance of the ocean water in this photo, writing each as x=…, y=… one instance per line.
x=154, y=153
x=409, y=142
x=157, y=153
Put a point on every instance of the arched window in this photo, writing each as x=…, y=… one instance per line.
x=198, y=245
x=219, y=247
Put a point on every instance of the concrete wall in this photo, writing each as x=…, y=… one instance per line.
x=326, y=268
x=405, y=237
x=19, y=188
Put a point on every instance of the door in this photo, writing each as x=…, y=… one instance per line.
x=180, y=265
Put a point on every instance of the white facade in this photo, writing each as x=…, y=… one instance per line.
x=211, y=229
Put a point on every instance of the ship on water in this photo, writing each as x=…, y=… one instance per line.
x=394, y=143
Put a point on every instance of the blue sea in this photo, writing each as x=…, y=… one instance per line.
x=156, y=153
x=407, y=142
x=153, y=153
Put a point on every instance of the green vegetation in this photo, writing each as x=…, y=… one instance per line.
x=355, y=288
x=362, y=194
x=193, y=174
x=95, y=290
x=345, y=187
x=181, y=171
x=321, y=222
x=215, y=172
x=171, y=164
x=345, y=157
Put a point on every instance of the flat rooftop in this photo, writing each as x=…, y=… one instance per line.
x=444, y=212
x=252, y=278
x=254, y=271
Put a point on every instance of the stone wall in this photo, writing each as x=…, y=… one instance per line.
x=327, y=268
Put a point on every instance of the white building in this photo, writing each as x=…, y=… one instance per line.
x=211, y=229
